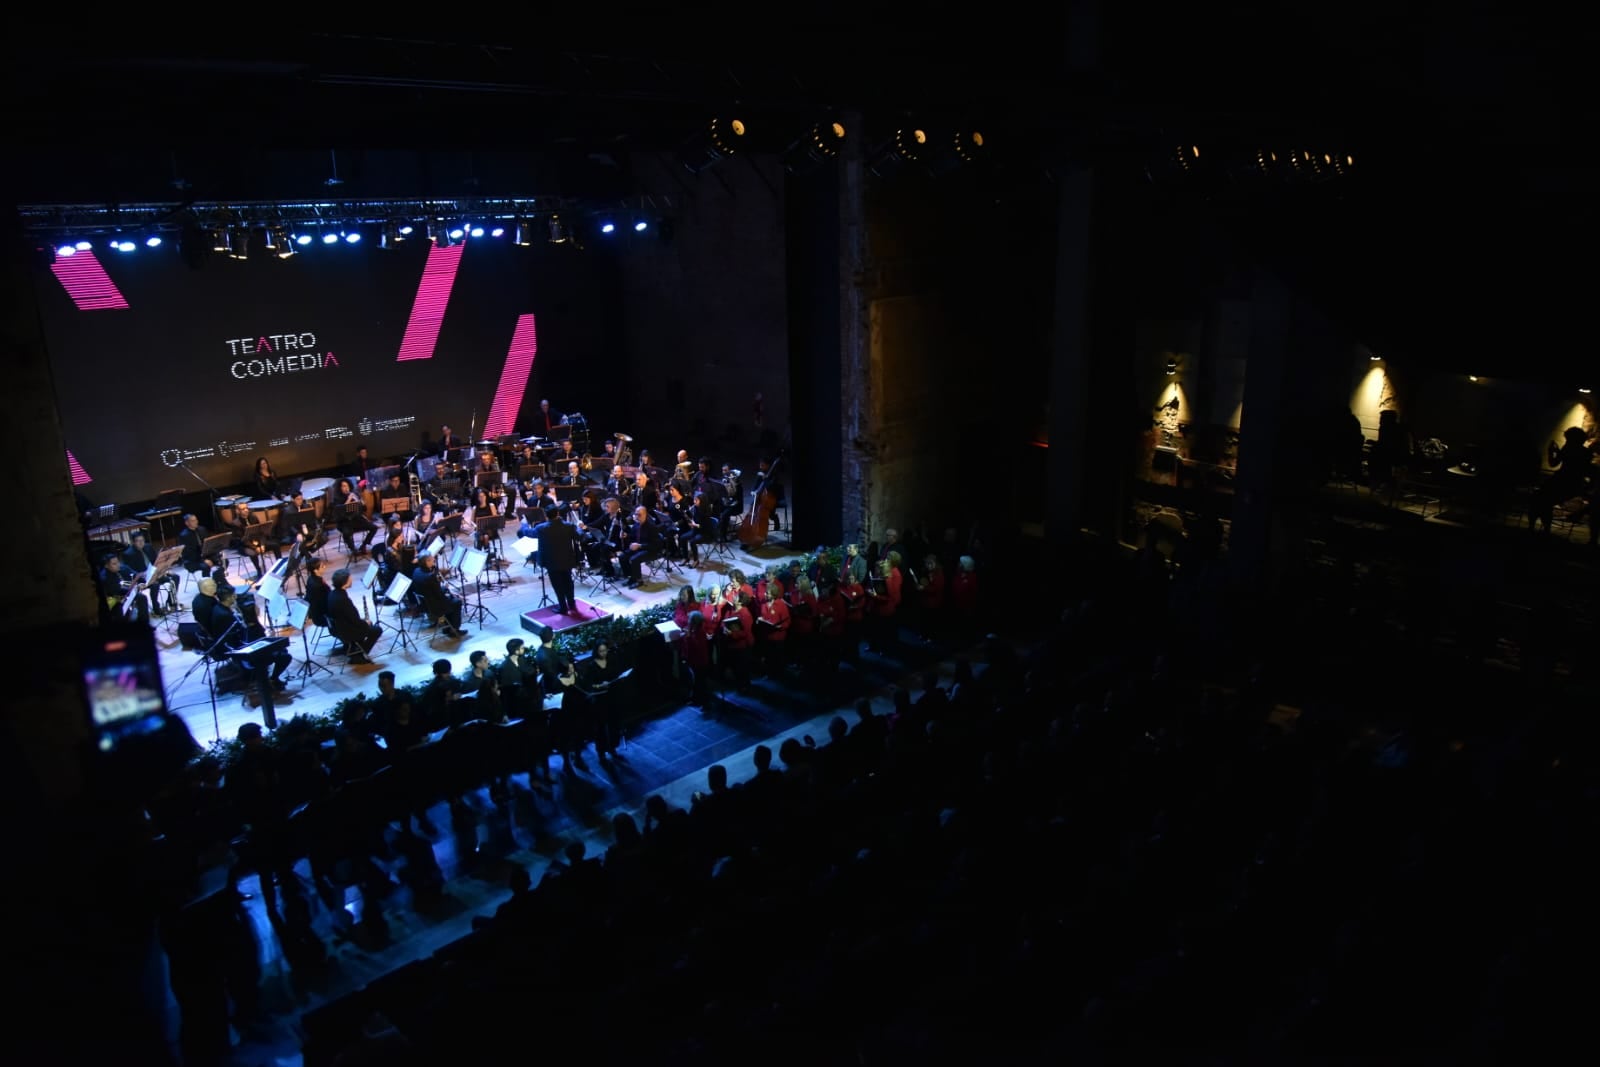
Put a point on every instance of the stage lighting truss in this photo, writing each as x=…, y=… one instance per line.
x=907, y=147
x=239, y=229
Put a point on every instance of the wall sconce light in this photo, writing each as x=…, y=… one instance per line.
x=1472, y=377
x=1172, y=367
x=1584, y=391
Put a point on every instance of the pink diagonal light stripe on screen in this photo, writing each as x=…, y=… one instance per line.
x=513, y=379
x=79, y=475
x=433, y=296
x=87, y=282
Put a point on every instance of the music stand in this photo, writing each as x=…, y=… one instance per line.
x=308, y=666
x=211, y=683
x=256, y=534
x=396, y=595
x=489, y=530
x=215, y=546
x=472, y=563
x=269, y=591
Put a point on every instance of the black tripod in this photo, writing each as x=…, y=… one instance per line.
x=211, y=683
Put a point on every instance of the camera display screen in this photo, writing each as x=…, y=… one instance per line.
x=123, y=687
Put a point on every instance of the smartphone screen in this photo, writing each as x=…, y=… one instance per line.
x=122, y=684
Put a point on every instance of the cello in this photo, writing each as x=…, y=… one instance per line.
x=763, y=502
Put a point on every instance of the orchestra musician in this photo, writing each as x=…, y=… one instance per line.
x=606, y=536
x=352, y=517
x=140, y=556
x=768, y=481
x=732, y=496
x=248, y=546
x=442, y=606
x=675, y=511
x=644, y=543
x=266, y=480
x=565, y=455
x=574, y=474
x=345, y=620
x=228, y=625
x=488, y=463
x=558, y=555
x=683, y=468
x=116, y=585
x=483, y=507
x=698, y=526
x=548, y=420
x=643, y=494
x=298, y=526
x=192, y=537
x=447, y=441
x=589, y=513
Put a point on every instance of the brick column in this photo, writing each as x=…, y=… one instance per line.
x=860, y=417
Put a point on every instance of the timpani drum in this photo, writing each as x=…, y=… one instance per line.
x=316, y=492
x=265, y=510
x=227, y=507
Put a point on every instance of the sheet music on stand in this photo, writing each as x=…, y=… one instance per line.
x=368, y=575
x=456, y=553
x=297, y=614
x=398, y=588
x=528, y=546
x=472, y=563
x=270, y=592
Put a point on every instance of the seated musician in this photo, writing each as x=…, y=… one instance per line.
x=483, y=507
x=566, y=454
x=246, y=543
x=204, y=601
x=589, y=512
x=440, y=605
x=266, y=480
x=298, y=526
x=702, y=479
x=350, y=519
x=394, y=489
x=488, y=463
x=619, y=485
x=316, y=590
x=548, y=419
x=605, y=537
x=700, y=525
x=574, y=475
x=676, y=511
x=227, y=625
x=192, y=537
x=140, y=556
x=644, y=544
x=116, y=585
x=767, y=480
x=732, y=496
x=644, y=493
x=423, y=524
x=361, y=472
x=355, y=634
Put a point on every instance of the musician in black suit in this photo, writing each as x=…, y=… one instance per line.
x=248, y=547
x=565, y=455
x=228, y=625
x=437, y=601
x=191, y=537
x=558, y=555
x=266, y=480
x=138, y=557
x=574, y=475
x=344, y=618
x=448, y=440
x=644, y=543
x=700, y=525
x=116, y=585
x=548, y=419
x=643, y=494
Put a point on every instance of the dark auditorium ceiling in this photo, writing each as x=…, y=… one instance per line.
x=1466, y=190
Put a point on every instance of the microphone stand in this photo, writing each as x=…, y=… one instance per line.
x=216, y=517
x=211, y=685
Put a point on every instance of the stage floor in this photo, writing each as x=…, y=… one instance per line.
x=189, y=696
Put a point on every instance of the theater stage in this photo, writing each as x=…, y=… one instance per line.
x=190, y=696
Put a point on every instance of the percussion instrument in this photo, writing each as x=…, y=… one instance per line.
x=265, y=510
x=227, y=507
x=316, y=486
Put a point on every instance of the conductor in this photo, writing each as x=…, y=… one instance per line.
x=558, y=554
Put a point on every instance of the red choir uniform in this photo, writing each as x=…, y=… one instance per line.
x=680, y=614
x=886, y=604
x=695, y=647
x=738, y=642
x=712, y=610
x=830, y=611
x=933, y=592
x=774, y=632
x=761, y=589
x=803, y=614
x=964, y=592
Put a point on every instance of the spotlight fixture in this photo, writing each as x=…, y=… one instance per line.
x=962, y=148
x=66, y=250
x=818, y=145
x=124, y=246
x=407, y=230
x=219, y=241
x=239, y=243
x=498, y=231
x=1172, y=367
x=1375, y=359
x=1584, y=390
x=640, y=226
x=717, y=141
x=523, y=233
x=608, y=227
x=1472, y=378
x=302, y=239
x=83, y=246
x=558, y=230
x=330, y=238
x=477, y=231
x=908, y=145
x=152, y=242
x=456, y=233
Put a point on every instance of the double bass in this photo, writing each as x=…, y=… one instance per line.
x=763, y=502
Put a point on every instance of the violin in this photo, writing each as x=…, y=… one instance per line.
x=763, y=502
